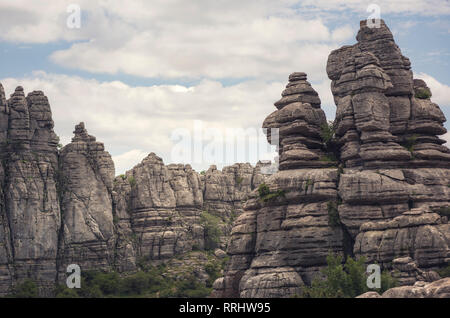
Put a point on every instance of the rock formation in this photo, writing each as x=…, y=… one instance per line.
x=420, y=289
x=285, y=233
x=30, y=213
x=388, y=201
x=375, y=183
x=66, y=207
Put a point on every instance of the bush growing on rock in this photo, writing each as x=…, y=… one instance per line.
x=212, y=231
x=344, y=280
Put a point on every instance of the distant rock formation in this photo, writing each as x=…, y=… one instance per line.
x=377, y=185
x=66, y=207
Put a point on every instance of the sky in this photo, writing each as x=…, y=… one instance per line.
x=139, y=72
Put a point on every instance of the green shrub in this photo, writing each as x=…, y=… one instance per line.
x=25, y=289
x=445, y=272
x=422, y=93
x=344, y=280
x=212, y=231
x=327, y=132
x=132, y=181
x=444, y=211
x=410, y=142
x=333, y=214
x=266, y=195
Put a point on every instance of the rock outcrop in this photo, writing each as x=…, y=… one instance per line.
x=86, y=181
x=66, y=207
x=286, y=231
x=375, y=184
x=30, y=212
x=420, y=289
x=396, y=168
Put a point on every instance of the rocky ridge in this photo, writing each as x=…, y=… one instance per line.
x=61, y=207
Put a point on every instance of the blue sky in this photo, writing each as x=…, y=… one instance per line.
x=138, y=72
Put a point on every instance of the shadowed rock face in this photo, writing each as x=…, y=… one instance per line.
x=391, y=192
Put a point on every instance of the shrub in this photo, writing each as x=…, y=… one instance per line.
x=212, y=231
x=422, y=93
x=26, y=289
x=344, y=280
x=132, y=181
x=266, y=195
x=444, y=211
x=445, y=272
x=333, y=214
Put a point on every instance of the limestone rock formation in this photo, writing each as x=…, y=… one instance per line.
x=86, y=181
x=421, y=289
x=389, y=198
x=29, y=206
x=285, y=233
x=396, y=168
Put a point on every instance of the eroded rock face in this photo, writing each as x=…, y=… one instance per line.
x=284, y=235
x=160, y=206
x=381, y=120
x=390, y=194
x=86, y=180
x=30, y=217
x=397, y=169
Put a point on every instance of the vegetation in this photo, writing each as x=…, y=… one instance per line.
x=149, y=283
x=26, y=289
x=239, y=180
x=410, y=143
x=422, y=93
x=333, y=214
x=266, y=195
x=327, y=132
x=211, y=229
x=444, y=272
x=132, y=181
x=344, y=280
x=444, y=211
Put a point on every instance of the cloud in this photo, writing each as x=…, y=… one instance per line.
x=447, y=138
x=180, y=39
x=127, y=160
x=441, y=92
x=136, y=120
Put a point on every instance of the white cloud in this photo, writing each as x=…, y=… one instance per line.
x=180, y=39
x=447, y=138
x=127, y=160
x=440, y=92
x=133, y=121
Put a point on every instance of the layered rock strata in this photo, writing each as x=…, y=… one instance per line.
x=390, y=197
x=285, y=233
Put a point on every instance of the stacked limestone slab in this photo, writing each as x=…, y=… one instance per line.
x=281, y=240
x=300, y=122
x=397, y=172
x=392, y=192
